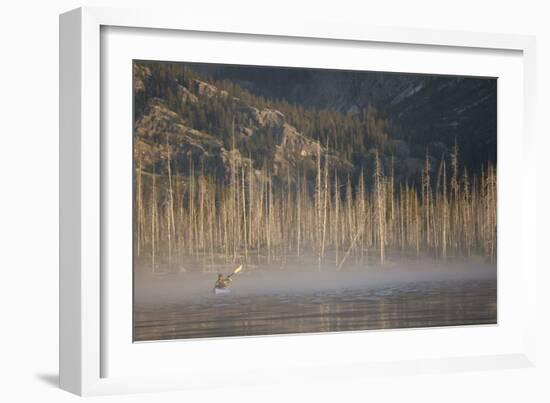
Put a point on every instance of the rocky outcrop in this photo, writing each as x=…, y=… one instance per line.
x=185, y=95
x=204, y=89
x=141, y=75
x=162, y=134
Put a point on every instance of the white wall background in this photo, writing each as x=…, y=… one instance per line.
x=29, y=201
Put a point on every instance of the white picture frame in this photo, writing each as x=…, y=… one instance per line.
x=86, y=345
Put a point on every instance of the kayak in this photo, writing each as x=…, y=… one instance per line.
x=221, y=291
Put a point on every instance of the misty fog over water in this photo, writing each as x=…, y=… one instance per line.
x=296, y=300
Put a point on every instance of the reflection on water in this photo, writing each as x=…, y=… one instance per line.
x=412, y=305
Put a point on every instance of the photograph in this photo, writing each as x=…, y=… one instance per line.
x=273, y=200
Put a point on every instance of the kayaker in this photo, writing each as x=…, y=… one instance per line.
x=222, y=281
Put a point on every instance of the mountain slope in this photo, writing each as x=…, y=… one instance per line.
x=184, y=115
x=426, y=108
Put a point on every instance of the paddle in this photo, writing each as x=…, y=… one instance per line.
x=238, y=269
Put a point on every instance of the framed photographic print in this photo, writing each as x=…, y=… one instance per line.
x=240, y=198
x=304, y=207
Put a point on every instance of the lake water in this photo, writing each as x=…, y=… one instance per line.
x=406, y=305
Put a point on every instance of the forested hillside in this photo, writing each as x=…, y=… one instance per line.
x=423, y=109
